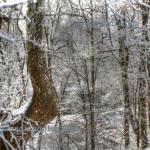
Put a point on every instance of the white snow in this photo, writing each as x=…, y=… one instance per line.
x=6, y=37
x=22, y=109
x=15, y=115
x=148, y=148
x=14, y=3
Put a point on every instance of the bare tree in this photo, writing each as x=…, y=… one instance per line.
x=124, y=62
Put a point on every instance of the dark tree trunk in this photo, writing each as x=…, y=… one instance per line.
x=124, y=62
x=43, y=106
x=142, y=80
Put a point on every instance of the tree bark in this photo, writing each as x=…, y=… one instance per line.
x=142, y=80
x=43, y=106
x=124, y=62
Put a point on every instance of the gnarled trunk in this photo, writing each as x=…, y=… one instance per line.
x=43, y=106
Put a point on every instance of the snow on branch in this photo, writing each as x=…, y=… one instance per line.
x=10, y=4
x=132, y=5
x=22, y=110
x=6, y=37
x=144, y=4
x=11, y=116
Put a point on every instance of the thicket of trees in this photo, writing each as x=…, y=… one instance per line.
x=84, y=60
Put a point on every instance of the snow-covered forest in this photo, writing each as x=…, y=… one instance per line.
x=74, y=75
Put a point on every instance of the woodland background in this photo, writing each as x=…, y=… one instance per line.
x=74, y=75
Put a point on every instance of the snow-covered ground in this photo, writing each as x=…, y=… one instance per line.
x=109, y=131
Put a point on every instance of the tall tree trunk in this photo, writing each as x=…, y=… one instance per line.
x=142, y=79
x=124, y=62
x=92, y=93
x=145, y=18
x=84, y=99
x=43, y=106
x=142, y=103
